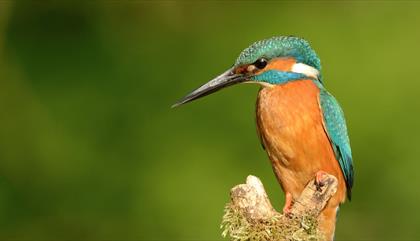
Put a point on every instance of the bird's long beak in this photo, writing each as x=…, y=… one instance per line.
x=226, y=79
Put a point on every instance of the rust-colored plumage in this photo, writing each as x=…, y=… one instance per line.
x=290, y=124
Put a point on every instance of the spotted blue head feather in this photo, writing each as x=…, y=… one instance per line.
x=280, y=46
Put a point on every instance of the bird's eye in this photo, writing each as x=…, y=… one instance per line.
x=260, y=63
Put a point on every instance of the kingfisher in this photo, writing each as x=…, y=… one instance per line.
x=300, y=124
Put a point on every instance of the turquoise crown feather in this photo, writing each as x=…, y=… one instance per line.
x=280, y=46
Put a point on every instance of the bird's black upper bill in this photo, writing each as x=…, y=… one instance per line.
x=226, y=79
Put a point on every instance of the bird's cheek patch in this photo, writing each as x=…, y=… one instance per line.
x=307, y=70
x=281, y=64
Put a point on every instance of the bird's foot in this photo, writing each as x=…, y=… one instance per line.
x=287, y=209
x=320, y=177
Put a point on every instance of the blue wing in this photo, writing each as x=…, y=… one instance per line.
x=336, y=129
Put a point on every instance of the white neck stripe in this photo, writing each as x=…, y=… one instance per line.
x=305, y=69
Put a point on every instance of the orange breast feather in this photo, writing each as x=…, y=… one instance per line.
x=289, y=121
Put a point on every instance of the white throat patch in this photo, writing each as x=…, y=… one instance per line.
x=305, y=69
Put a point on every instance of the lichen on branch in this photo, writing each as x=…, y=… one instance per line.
x=238, y=227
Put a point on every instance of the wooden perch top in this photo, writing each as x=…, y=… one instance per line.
x=314, y=198
x=252, y=199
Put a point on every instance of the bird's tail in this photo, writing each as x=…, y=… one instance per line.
x=327, y=220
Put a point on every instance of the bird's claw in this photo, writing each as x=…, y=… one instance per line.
x=320, y=177
x=287, y=209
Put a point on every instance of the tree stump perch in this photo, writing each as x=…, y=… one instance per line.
x=250, y=215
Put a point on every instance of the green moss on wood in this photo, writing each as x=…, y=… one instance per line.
x=238, y=227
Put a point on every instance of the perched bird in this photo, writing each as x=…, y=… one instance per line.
x=300, y=124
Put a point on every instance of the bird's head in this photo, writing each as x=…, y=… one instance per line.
x=268, y=62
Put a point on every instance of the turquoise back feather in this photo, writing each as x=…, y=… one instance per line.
x=336, y=129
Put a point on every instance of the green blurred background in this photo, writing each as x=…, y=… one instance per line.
x=90, y=149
